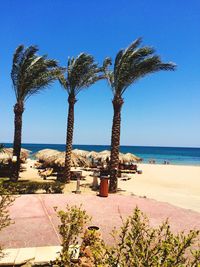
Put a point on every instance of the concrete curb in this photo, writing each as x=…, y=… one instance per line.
x=35, y=255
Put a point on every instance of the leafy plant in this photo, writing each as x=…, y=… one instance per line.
x=32, y=187
x=72, y=225
x=137, y=244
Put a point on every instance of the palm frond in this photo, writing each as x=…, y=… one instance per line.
x=133, y=63
x=32, y=73
x=81, y=73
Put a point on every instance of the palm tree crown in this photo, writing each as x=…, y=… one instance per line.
x=81, y=73
x=131, y=64
x=31, y=73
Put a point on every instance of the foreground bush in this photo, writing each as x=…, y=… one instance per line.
x=5, y=201
x=137, y=244
x=32, y=187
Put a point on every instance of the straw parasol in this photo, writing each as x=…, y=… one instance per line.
x=104, y=152
x=92, y=154
x=103, y=155
x=4, y=157
x=129, y=157
x=6, y=154
x=80, y=152
x=44, y=154
x=76, y=160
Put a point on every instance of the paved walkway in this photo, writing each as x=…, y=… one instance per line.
x=36, y=221
x=38, y=255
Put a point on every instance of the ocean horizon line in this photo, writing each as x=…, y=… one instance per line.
x=150, y=146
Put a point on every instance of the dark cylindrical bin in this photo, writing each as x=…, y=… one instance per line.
x=103, y=187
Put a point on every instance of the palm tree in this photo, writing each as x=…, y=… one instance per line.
x=81, y=73
x=30, y=74
x=131, y=64
x=2, y=147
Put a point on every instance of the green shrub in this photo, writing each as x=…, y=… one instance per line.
x=26, y=187
x=73, y=221
x=137, y=244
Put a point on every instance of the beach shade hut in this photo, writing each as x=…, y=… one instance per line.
x=6, y=155
x=92, y=154
x=129, y=157
x=105, y=154
x=44, y=154
x=76, y=160
x=80, y=152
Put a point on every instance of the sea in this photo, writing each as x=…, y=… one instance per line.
x=174, y=155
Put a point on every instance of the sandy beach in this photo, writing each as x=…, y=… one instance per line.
x=177, y=185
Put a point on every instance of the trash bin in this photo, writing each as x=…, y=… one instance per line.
x=103, y=186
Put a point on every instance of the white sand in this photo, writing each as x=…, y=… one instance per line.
x=178, y=185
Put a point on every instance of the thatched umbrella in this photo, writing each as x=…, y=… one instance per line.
x=76, y=160
x=128, y=157
x=103, y=155
x=104, y=152
x=44, y=154
x=6, y=154
x=4, y=157
x=80, y=152
x=92, y=154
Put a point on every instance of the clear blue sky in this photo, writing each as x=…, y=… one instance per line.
x=160, y=110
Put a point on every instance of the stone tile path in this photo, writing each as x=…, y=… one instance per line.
x=36, y=222
x=38, y=255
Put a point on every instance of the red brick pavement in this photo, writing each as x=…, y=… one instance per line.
x=36, y=221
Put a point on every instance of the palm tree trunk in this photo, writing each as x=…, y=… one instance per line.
x=115, y=143
x=69, y=139
x=18, y=110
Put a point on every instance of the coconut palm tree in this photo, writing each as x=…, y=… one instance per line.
x=30, y=74
x=131, y=64
x=81, y=73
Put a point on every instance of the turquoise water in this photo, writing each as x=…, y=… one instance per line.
x=175, y=155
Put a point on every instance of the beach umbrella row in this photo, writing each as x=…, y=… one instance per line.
x=80, y=157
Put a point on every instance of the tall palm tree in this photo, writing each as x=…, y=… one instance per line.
x=2, y=147
x=131, y=64
x=81, y=73
x=30, y=74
